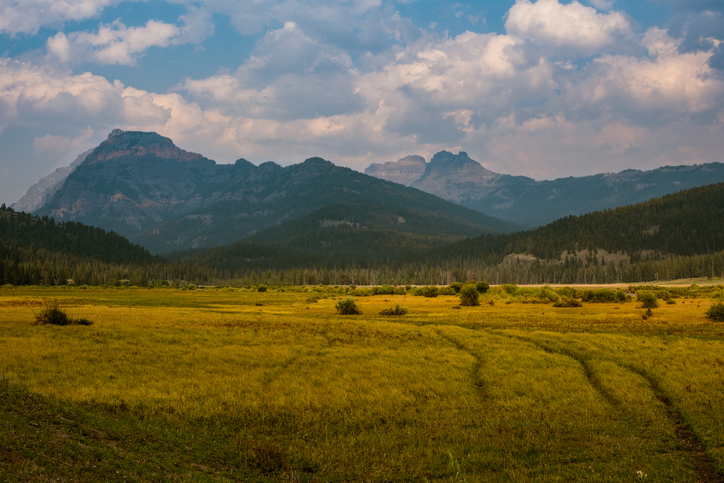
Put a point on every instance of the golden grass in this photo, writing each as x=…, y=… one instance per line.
x=522, y=392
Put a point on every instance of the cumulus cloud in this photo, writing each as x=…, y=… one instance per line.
x=62, y=144
x=121, y=45
x=572, y=26
x=27, y=16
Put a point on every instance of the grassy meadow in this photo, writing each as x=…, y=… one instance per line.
x=230, y=385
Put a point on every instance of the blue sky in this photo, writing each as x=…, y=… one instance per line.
x=544, y=88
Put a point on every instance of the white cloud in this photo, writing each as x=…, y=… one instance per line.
x=668, y=81
x=27, y=16
x=61, y=145
x=121, y=45
x=573, y=26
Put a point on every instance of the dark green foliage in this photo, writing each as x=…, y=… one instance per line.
x=347, y=307
x=396, y=310
x=509, y=288
x=469, y=296
x=716, y=312
x=428, y=291
x=603, y=295
x=566, y=302
x=383, y=290
x=456, y=286
x=54, y=315
x=648, y=299
x=482, y=287
x=262, y=288
x=446, y=291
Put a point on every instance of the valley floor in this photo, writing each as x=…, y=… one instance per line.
x=229, y=385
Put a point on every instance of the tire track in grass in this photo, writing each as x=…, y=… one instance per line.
x=477, y=380
x=703, y=465
x=591, y=377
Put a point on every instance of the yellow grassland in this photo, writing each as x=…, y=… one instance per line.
x=503, y=392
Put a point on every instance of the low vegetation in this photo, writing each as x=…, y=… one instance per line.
x=54, y=315
x=230, y=384
x=348, y=307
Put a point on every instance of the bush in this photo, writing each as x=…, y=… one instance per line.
x=347, y=307
x=446, y=291
x=456, y=286
x=54, y=315
x=383, y=290
x=716, y=312
x=566, y=302
x=482, y=287
x=397, y=310
x=429, y=291
x=469, y=296
x=647, y=299
x=262, y=288
x=509, y=288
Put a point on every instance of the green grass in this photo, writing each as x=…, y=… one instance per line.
x=211, y=386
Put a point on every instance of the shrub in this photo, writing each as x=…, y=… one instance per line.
x=482, y=287
x=429, y=291
x=469, y=296
x=716, y=312
x=383, y=290
x=647, y=299
x=53, y=314
x=446, y=291
x=347, y=307
x=456, y=286
x=509, y=288
x=262, y=288
x=566, y=302
x=397, y=310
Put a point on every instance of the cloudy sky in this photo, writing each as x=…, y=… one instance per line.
x=544, y=88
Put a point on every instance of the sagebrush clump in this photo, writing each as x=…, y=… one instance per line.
x=396, y=310
x=716, y=312
x=347, y=307
x=54, y=315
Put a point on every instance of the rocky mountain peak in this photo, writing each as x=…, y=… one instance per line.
x=404, y=171
x=122, y=144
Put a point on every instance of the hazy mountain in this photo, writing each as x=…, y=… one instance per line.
x=523, y=200
x=405, y=171
x=144, y=187
x=39, y=194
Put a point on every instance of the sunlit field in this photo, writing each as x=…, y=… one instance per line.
x=230, y=385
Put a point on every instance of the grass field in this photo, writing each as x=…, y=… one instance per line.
x=229, y=385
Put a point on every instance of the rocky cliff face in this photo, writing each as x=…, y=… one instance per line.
x=404, y=171
x=42, y=191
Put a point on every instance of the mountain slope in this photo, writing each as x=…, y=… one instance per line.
x=687, y=223
x=42, y=191
x=525, y=201
x=71, y=238
x=135, y=180
x=265, y=200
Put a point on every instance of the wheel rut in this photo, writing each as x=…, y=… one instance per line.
x=701, y=462
x=477, y=366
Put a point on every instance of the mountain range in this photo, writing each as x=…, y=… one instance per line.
x=531, y=203
x=142, y=186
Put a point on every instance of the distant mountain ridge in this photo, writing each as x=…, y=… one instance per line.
x=523, y=200
x=144, y=187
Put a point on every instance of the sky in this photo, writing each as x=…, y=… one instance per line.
x=545, y=88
